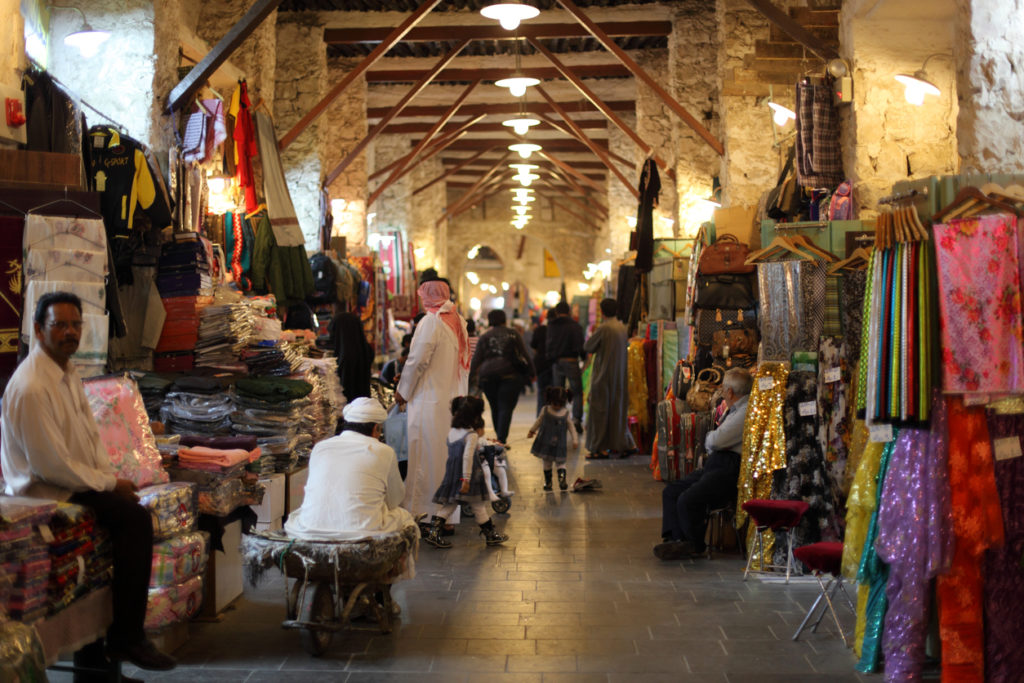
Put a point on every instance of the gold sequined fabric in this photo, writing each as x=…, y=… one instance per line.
x=637, y=381
x=859, y=506
x=764, y=446
x=1011, y=405
x=858, y=442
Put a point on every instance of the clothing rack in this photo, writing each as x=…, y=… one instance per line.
x=901, y=196
x=802, y=225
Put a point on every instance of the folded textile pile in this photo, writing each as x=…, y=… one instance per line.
x=217, y=466
x=153, y=388
x=218, y=460
x=326, y=395
x=81, y=555
x=123, y=423
x=172, y=604
x=185, y=412
x=168, y=445
x=24, y=557
x=226, y=328
x=172, y=507
x=272, y=410
x=180, y=335
x=279, y=360
x=184, y=268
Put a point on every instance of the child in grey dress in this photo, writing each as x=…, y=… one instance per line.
x=554, y=430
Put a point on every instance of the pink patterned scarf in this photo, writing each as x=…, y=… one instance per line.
x=436, y=295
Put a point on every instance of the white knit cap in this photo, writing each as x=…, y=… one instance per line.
x=364, y=410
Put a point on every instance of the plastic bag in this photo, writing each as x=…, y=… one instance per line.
x=123, y=423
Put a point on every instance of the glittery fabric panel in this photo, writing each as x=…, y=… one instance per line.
x=805, y=477
x=859, y=507
x=851, y=300
x=869, y=333
x=1004, y=577
x=977, y=525
x=915, y=544
x=874, y=573
x=858, y=443
x=779, y=319
x=636, y=373
x=764, y=443
x=834, y=416
x=812, y=303
x=979, y=284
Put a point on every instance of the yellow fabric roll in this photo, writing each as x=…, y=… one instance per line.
x=863, y=590
x=637, y=382
x=859, y=506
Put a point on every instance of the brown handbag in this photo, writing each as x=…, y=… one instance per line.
x=700, y=394
x=734, y=342
x=725, y=257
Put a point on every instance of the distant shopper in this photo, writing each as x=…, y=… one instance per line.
x=564, y=350
x=499, y=369
x=355, y=355
x=541, y=363
x=607, y=429
x=554, y=433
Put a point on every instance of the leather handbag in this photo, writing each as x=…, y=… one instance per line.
x=731, y=291
x=703, y=389
x=711, y=320
x=734, y=342
x=725, y=256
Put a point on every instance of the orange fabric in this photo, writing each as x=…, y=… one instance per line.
x=977, y=525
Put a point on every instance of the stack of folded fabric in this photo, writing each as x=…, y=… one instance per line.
x=175, y=582
x=226, y=328
x=184, y=268
x=80, y=555
x=24, y=556
x=184, y=282
x=326, y=396
x=168, y=445
x=153, y=387
x=217, y=466
x=269, y=361
x=271, y=409
x=197, y=405
x=172, y=604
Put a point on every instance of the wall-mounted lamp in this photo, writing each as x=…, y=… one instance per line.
x=509, y=14
x=86, y=40
x=916, y=86
x=781, y=115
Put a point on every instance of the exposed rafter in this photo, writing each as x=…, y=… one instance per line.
x=350, y=36
x=574, y=107
x=463, y=75
x=793, y=29
x=452, y=171
x=415, y=128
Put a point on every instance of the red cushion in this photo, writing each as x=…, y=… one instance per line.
x=821, y=557
x=776, y=514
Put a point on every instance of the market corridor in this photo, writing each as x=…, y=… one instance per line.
x=575, y=595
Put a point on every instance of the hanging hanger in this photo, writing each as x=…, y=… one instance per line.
x=858, y=260
x=13, y=208
x=969, y=201
x=69, y=201
x=804, y=243
x=882, y=230
x=777, y=245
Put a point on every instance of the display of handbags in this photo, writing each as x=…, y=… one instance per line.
x=700, y=395
x=735, y=291
x=734, y=342
x=725, y=257
x=712, y=320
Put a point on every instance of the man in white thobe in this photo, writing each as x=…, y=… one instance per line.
x=354, y=488
x=436, y=371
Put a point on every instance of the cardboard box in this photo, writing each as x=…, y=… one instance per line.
x=738, y=221
x=272, y=506
x=222, y=583
x=274, y=525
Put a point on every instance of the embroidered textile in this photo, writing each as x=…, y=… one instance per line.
x=834, y=415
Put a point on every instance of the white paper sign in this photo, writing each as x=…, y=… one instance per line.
x=808, y=408
x=976, y=399
x=880, y=434
x=765, y=383
x=833, y=375
x=1007, y=448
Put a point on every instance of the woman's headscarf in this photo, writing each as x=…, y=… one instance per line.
x=436, y=296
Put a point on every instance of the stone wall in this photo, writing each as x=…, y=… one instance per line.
x=990, y=84
x=655, y=126
x=693, y=53
x=885, y=138
x=346, y=125
x=301, y=80
x=427, y=206
x=12, y=44
x=392, y=208
x=255, y=57
x=621, y=203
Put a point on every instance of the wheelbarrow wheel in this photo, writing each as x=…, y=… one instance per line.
x=501, y=505
x=317, y=608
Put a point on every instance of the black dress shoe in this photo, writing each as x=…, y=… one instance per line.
x=143, y=655
x=675, y=550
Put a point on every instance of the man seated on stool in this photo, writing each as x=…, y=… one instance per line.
x=51, y=449
x=354, y=488
x=685, y=503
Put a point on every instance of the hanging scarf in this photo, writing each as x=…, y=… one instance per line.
x=435, y=296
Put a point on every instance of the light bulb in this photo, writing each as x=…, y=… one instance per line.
x=87, y=41
x=521, y=124
x=510, y=14
x=916, y=87
x=526, y=178
x=504, y=286
x=523, y=168
x=520, y=209
x=517, y=85
x=473, y=277
x=780, y=114
x=525, y=149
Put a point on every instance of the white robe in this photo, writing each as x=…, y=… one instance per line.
x=353, y=492
x=431, y=378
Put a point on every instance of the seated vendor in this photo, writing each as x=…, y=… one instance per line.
x=354, y=488
x=51, y=449
x=685, y=503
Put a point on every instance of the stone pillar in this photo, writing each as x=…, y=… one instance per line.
x=427, y=206
x=885, y=139
x=301, y=80
x=654, y=123
x=693, y=51
x=392, y=207
x=750, y=164
x=990, y=85
x=12, y=44
x=346, y=125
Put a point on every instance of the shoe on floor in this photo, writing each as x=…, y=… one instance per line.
x=578, y=425
x=675, y=550
x=144, y=655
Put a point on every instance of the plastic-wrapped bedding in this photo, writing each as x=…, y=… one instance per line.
x=172, y=604
x=179, y=558
x=172, y=507
x=21, y=653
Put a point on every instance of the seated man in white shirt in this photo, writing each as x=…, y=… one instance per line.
x=354, y=488
x=51, y=449
x=685, y=503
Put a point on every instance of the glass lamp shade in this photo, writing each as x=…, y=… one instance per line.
x=87, y=41
x=517, y=85
x=781, y=114
x=525, y=149
x=520, y=124
x=916, y=87
x=526, y=178
x=523, y=168
x=509, y=14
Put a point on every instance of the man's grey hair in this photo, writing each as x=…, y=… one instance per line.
x=739, y=380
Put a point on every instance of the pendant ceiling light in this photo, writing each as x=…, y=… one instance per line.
x=524, y=168
x=521, y=192
x=517, y=83
x=917, y=86
x=525, y=149
x=520, y=124
x=86, y=40
x=509, y=14
x=525, y=179
x=521, y=210
x=781, y=114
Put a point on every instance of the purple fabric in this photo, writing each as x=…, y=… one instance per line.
x=914, y=523
x=1004, y=577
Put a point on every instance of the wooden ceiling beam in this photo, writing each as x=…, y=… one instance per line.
x=413, y=91
x=415, y=128
x=406, y=165
x=580, y=106
x=570, y=145
x=462, y=75
x=592, y=165
x=585, y=219
x=568, y=132
x=446, y=139
x=483, y=179
x=601, y=154
x=452, y=171
x=642, y=75
x=355, y=36
x=570, y=170
x=389, y=41
x=793, y=29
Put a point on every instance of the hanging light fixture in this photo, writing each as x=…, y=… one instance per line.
x=509, y=14
x=781, y=114
x=520, y=124
x=524, y=168
x=521, y=209
x=517, y=83
x=525, y=179
x=86, y=40
x=916, y=86
x=525, y=149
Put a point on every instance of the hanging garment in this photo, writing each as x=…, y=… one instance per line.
x=792, y=296
x=860, y=505
x=851, y=303
x=982, y=325
x=834, y=415
x=279, y=201
x=764, y=445
x=11, y=289
x=869, y=329
x=1004, y=576
x=73, y=266
x=818, y=153
x=873, y=574
x=914, y=539
x=245, y=147
x=281, y=271
x=977, y=526
x=650, y=186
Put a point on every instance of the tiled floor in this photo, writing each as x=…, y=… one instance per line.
x=575, y=595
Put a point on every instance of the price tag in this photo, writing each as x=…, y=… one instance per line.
x=765, y=383
x=833, y=375
x=808, y=408
x=687, y=373
x=976, y=399
x=81, y=570
x=880, y=433
x=44, y=531
x=1007, y=448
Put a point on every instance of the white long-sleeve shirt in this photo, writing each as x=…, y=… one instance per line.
x=51, y=446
